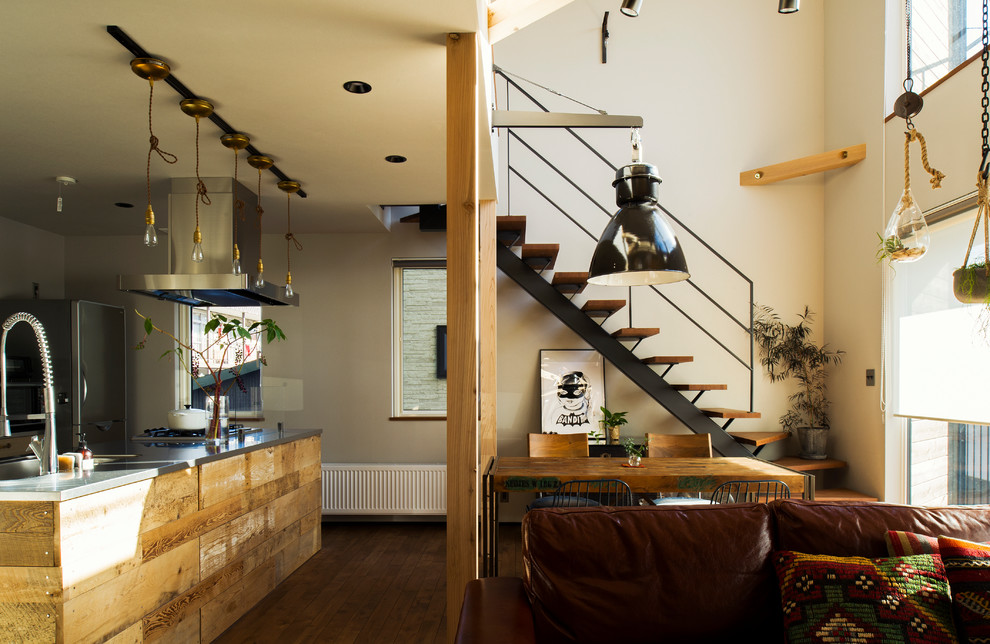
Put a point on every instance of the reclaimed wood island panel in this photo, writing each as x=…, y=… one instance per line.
x=177, y=557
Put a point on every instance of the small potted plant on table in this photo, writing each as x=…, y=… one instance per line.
x=634, y=452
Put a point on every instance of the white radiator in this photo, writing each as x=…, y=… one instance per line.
x=381, y=488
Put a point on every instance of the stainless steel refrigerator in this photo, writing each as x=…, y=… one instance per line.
x=88, y=349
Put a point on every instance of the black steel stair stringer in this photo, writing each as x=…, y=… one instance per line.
x=615, y=352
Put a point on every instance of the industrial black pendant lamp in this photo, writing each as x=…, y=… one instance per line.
x=788, y=6
x=638, y=246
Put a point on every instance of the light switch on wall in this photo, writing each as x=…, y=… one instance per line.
x=871, y=377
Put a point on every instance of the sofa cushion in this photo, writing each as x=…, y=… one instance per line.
x=901, y=544
x=845, y=529
x=967, y=565
x=683, y=573
x=855, y=599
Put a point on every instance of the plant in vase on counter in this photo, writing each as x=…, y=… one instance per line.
x=788, y=351
x=229, y=345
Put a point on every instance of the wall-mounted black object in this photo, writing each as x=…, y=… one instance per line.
x=433, y=217
x=605, y=39
x=441, y=351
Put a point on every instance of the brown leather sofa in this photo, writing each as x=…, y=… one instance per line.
x=678, y=573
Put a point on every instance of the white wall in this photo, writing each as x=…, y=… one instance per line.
x=30, y=255
x=854, y=213
x=721, y=91
x=339, y=346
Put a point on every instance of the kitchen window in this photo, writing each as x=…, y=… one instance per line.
x=243, y=385
x=419, y=324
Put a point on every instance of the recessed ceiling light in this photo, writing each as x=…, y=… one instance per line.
x=357, y=87
x=395, y=158
x=123, y=204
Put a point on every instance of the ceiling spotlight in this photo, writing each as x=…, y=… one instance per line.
x=631, y=7
x=788, y=6
x=357, y=87
x=395, y=158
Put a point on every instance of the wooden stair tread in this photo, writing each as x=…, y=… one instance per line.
x=700, y=387
x=807, y=464
x=602, y=308
x=842, y=494
x=511, y=228
x=723, y=412
x=668, y=359
x=410, y=219
x=636, y=332
x=542, y=255
x=758, y=439
x=570, y=282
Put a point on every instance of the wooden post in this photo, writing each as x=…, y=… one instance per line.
x=462, y=321
x=487, y=350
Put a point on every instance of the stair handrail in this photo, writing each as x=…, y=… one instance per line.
x=749, y=282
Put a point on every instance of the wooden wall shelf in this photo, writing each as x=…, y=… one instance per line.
x=830, y=160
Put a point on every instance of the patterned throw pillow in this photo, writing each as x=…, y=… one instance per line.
x=967, y=566
x=902, y=544
x=854, y=599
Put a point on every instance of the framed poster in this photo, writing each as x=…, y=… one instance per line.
x=572, y=391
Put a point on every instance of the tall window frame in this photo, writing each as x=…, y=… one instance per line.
x=419, y=319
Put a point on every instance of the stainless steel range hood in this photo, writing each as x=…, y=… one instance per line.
x=210, y=283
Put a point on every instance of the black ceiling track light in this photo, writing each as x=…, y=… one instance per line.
x=183, y=91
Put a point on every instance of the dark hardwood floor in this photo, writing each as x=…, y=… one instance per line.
x=370, y=583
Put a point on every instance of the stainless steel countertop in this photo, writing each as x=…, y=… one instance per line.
x=165, y=458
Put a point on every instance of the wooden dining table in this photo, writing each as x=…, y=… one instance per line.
x=665, y=475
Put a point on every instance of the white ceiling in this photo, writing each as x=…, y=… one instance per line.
x=70, y=105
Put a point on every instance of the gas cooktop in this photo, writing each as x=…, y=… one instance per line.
x=166, y=435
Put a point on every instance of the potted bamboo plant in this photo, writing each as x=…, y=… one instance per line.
x=788, y=351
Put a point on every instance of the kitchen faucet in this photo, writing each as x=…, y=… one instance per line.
x=48, y=453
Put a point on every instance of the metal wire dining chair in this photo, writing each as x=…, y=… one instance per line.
x=761, y=491
x=573, y=494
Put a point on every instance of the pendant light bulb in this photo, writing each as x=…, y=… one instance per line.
x=197, y=251
x=150, y=235
x=906, y=238
x=235, y=264
x=288, y=285
x=259, y=281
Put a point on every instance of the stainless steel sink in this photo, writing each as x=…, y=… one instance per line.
x=30, y=467
x=20, y=469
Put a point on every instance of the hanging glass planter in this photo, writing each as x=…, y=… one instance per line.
x=906, y=237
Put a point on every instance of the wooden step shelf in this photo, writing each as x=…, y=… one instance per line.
x=570, y=283
x=830, y=160
x=410, y=219
x=810, y=465
x=635, y=333
x=843, y=494
x=758, y=439
x=511, y=229
x=731, y=414
x=668, y=359
x=602, y=308
x=699, y=387
x=540, y=257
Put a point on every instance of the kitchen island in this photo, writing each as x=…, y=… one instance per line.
x=174, y=548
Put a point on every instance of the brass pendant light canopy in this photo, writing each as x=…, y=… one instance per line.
x=260, y=161
x=151, y=69
x=196, y=107
x=235, y=141
x=638, y=246
x=289, y=186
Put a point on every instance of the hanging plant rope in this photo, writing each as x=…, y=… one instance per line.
x=982, y=214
